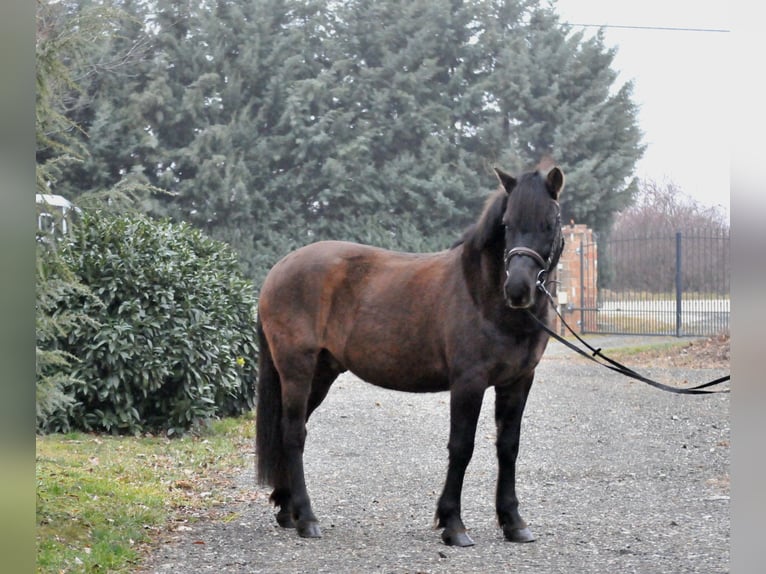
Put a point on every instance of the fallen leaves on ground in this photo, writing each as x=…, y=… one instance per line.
x=711, y=353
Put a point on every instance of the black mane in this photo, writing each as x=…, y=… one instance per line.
x=489, y=227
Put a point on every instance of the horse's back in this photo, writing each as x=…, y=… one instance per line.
x=372, y=309
x=317, y=264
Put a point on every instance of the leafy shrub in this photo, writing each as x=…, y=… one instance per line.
x=55, y=283
x=171, y=338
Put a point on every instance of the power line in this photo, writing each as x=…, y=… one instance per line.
x=661, y=28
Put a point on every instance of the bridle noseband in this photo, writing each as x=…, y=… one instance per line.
x=545, y=266
x=529, y=253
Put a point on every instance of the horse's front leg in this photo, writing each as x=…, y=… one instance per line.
x=465, y=406
x=509, y=408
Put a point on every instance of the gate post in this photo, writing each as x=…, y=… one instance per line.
x=583, y=315
x=578, y=270
x=679, y=286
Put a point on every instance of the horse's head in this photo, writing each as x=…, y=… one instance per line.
x=533, y=238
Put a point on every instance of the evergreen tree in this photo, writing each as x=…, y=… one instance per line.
x=105, y=119
x=392, y=121
x=65, y=34
x=273, y=123
x=552, y=89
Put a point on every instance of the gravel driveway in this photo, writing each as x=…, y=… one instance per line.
x=613, y=476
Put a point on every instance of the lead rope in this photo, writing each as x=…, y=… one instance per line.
x=611, y=363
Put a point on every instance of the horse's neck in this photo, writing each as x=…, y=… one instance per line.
x=483, y=274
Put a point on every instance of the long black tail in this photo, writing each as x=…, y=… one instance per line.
x=268, y=425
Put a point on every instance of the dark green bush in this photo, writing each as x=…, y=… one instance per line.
x=171, y=340
x=54, y=284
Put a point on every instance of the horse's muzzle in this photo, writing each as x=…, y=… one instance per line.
x=521, y=282
x=519, y=291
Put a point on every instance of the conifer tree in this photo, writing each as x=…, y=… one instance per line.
x=274, y=123
x=553, y=88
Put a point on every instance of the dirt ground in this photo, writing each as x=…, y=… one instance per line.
x=705, y=353
x=613, y=476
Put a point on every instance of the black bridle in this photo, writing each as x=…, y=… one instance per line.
x=546, y=267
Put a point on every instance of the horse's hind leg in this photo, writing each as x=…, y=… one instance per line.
x=294, y=402
x=325, y=374
x=298, y=403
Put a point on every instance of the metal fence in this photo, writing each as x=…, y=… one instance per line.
x=676, y=284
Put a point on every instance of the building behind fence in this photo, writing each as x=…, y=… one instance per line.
x=663, y=283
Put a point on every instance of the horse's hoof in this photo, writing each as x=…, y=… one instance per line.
x=457, y=538
x=309, y=530
x=285, y=519
x=518, y=534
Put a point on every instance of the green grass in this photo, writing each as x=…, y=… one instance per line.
x=659, y=348
x=101, y=500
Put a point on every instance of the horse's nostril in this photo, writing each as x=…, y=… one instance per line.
x=518, y=295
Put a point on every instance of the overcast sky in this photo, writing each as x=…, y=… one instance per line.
x=680, y=85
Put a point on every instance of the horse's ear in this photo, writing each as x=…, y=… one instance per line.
x=555, y=182
x=506, y=180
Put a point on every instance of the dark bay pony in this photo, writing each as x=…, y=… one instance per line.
x=456, y=320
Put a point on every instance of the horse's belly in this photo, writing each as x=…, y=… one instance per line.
x=409, y=385
x=401, y=375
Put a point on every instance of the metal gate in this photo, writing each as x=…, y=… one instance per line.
x=662, y=285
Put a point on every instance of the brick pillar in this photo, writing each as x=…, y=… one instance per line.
x=578, y=275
